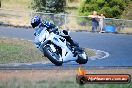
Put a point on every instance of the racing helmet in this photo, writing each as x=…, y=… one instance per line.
x=35, y=21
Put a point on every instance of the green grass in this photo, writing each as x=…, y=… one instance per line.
x=23, y=83
x=18, y=54
x=10, y=48
x=18, y=51
x=22, y=51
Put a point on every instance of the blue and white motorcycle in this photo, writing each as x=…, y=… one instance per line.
x=55, y=47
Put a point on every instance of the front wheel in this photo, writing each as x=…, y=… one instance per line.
x=54, y=57
x=82, y=58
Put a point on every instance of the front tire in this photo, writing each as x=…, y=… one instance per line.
x=53, y=57
x=81, y=60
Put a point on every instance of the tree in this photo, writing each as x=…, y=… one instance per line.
x=127, y=14
x=0, y=3
x=111, y=8
x=50, y=6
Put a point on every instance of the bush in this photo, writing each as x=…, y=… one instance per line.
x=111, y=8
x=49, y=6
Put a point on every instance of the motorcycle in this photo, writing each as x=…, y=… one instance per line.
x=55, y=47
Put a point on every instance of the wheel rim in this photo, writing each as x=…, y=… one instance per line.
x=54, y=54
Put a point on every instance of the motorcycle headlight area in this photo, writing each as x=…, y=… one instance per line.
x=83, y=55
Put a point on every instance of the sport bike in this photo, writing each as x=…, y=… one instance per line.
x=58, y=50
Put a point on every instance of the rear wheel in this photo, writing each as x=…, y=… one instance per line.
x=54, y=57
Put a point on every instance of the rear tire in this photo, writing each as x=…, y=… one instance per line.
x=47, y=52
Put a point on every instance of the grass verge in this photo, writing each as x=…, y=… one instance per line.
x=18, y=51
x=54, y=79
x=22, y=51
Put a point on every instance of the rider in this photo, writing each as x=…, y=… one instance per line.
x=38, y=26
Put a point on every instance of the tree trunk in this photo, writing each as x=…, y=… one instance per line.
x=0, y=3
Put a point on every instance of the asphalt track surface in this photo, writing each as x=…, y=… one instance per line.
x=119, y=47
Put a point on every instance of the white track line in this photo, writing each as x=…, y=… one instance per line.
x=98, y=56
x=106, y=54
